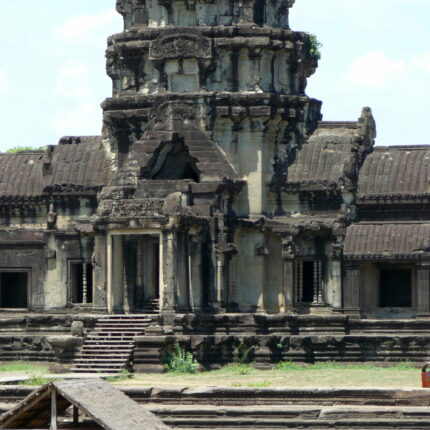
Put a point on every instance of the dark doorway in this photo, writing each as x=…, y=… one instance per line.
x=308, y=282
x=260, y=12
x=156, y=269
x=14, y=286
x=79, y=282
x=396, y=288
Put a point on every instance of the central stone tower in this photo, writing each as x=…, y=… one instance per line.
x=208, y=110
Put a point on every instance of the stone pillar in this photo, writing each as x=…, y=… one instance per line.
x=288, y=255
x=288, y=263
x=351, y=289
x=117, y=273
x=195, y=270
x=423, y=289
x=220, y=281
x=336, y=276
x=99, y=262
x=168, y=293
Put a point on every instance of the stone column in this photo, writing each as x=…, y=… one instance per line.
x=168, y=296
x=99, y=263
x=118, y=273
x=423, y=289
x=288, y=255
x=336, y=276
x=351, y=289
x=220, y=281
x=288, y=287
x=195, y=270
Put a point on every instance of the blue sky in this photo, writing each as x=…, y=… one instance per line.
x=52, y=80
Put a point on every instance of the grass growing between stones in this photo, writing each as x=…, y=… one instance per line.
x=290, y=375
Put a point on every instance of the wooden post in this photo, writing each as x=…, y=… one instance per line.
x=53, y=409
x=75, y=415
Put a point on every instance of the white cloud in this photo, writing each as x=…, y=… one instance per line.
x=375, y=70
x=84, y=27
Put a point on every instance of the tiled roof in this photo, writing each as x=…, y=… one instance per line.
x=82, y=165
x=324, y=161
x=372, y=240
x=395, y=172
x=76, y=164
x=21, y=174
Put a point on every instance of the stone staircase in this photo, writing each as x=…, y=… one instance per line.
x=109, y=347
x=227, y=408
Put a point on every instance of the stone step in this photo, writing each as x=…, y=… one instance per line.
x=303, y=412
x=246, y=423
x=111, y=356
x=122, y=324
x=101, y=360
x=104, y=370
x=107, y=349
x=116, y=338
x=99, y=366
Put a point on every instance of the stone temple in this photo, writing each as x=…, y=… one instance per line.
x=216, y=200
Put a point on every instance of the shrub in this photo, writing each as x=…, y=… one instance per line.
x=180, y=361
x=241, y=354
x=37, y=380
x=316, y=46
x=16, y=149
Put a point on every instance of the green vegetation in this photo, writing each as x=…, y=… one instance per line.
x=241, y=354
x=290, y=366
x=316, y=46
x=23, y=367
x=180, y=361
x=235, y=368
x=16, y=149
x=37, y=380
x=291, y=375
x=124, y=375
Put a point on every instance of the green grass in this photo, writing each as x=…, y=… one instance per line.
x=289, y=366
x=24, y=367
x=291, y=375
x=235, y=369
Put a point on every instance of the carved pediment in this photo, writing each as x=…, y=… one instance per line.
x=180, y=45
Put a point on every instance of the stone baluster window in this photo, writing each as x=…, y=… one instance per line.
x=81, y=282
x=309, y=281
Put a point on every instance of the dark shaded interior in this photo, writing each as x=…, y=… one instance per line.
x=77, y=278
x=260, y=12
x=308, y=282
x=156, y=269
x=396, y=288
x=174, y=163
x=14, y=289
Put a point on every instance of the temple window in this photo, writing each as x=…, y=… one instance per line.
x=308, y=281
x=81, y=282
